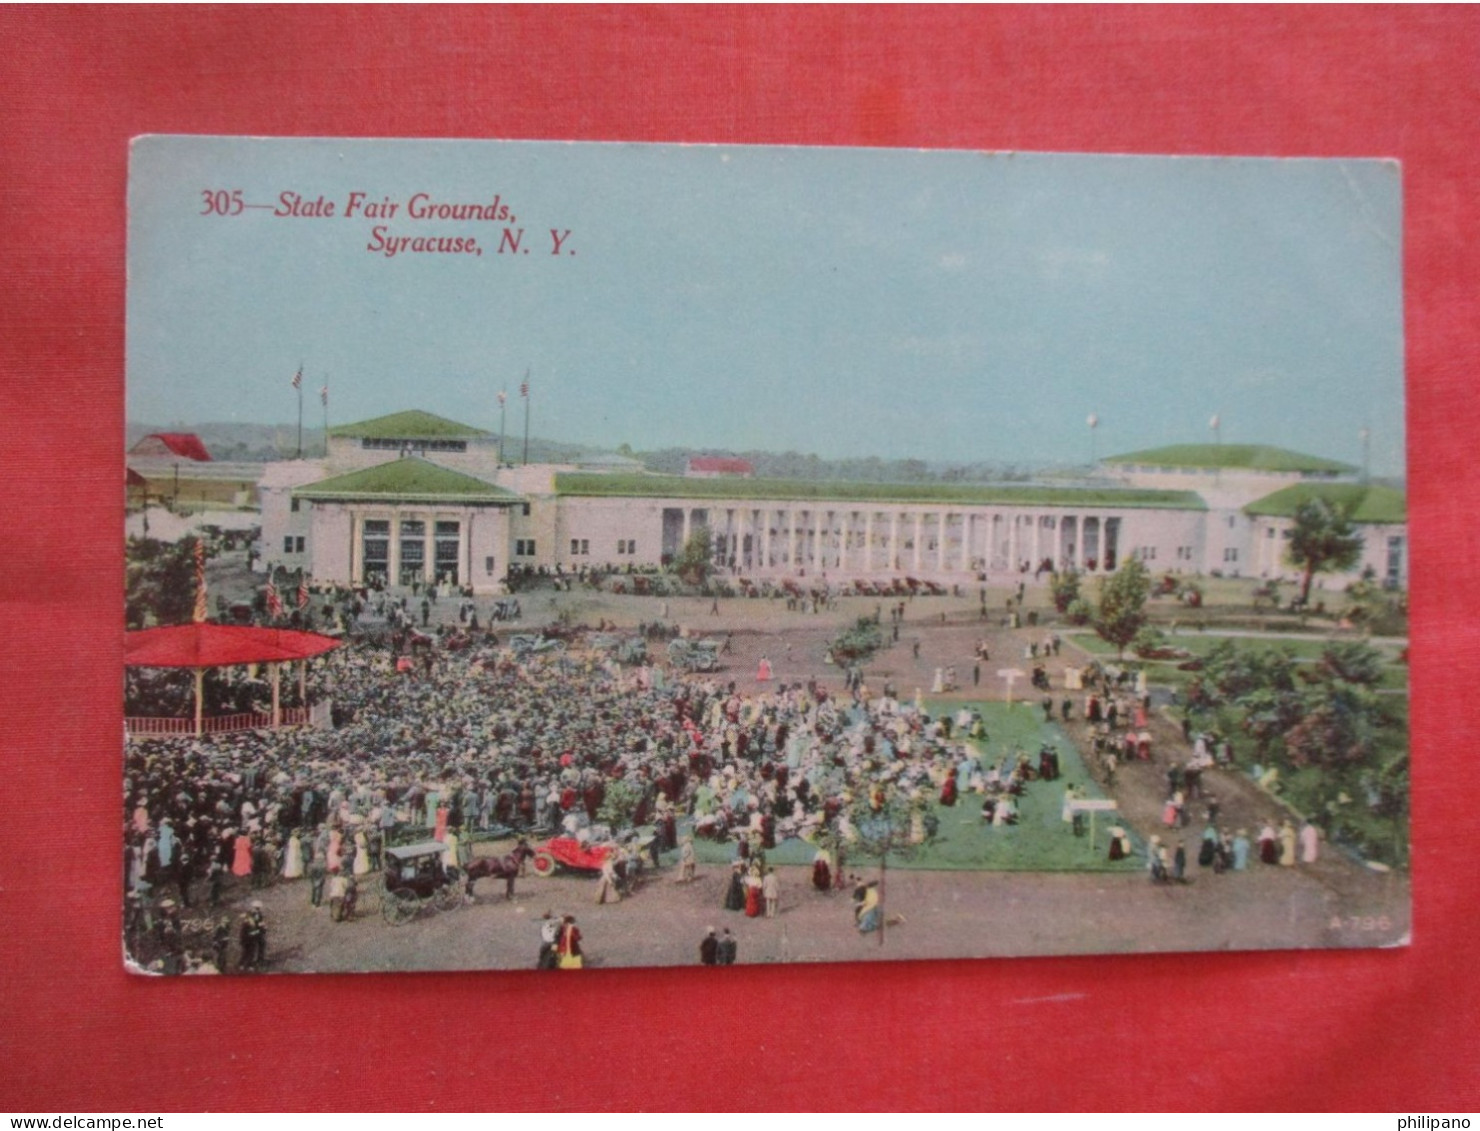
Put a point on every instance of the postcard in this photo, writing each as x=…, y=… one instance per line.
x=557, y=556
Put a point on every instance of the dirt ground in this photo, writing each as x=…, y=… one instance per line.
x=1335, y=902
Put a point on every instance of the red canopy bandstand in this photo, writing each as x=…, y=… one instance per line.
x=203, y=645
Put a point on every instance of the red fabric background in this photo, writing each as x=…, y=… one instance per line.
x=1384, y=1030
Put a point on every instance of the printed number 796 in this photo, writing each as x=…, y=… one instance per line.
x=219, y=202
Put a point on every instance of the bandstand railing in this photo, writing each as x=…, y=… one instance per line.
x=314, y=715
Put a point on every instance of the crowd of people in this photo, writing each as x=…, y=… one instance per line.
x=477, y=741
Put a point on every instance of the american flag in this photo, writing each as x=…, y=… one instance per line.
x=324, y=395
x=524, y=388
x=303, y=593
x=200, y=582
x=298, y=378
x=274, y=602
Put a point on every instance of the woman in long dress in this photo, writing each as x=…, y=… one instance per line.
x=822, y=871
x=753, y=896
x=1287, y=845
x=867, y=910
x=735, y=893
x=293, y=858
x=763, y=673
x=1310, y=839
x=362, y=854
x=241, y=862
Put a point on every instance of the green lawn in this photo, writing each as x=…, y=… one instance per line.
x=1040, y=842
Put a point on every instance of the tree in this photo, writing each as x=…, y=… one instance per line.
x=159, y=581
x=1065, y=589
x=1322, y=540
x=696, y=558
x=888, y=822
x=1122, y=609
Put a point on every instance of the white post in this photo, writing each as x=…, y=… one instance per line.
x=200, y=692
x=1011, y=675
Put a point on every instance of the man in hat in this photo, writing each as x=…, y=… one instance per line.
x=709, y=949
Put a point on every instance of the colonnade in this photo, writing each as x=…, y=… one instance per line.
x=872, y=538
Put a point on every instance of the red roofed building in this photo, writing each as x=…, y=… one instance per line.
x=172, y=445
x=716, y=467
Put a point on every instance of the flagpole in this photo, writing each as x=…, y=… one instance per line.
x=324, y=396
x=526, y=416
x=502, y=456
x=300, y=419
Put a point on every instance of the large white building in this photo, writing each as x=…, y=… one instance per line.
x=413, y=496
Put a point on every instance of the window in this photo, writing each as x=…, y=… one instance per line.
x=524, y=509
x=388, y=445
x=300, y=544
x=447, y=551
x=1230, y=554
x=524, y=547
x=488, y=565
x=293, y=506
x=579, y=546
x=626, y=546
x=287, y=543
x=413, y=550
x=376, y=549
x=1231, y=520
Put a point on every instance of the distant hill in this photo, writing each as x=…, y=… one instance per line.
x=235, y=440
x=263, y=443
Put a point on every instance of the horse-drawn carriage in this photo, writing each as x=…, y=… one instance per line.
x=694, y=655
x=414, y=879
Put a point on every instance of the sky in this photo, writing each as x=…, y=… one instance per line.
x=936, y=305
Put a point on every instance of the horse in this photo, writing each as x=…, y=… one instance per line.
x=506, y=868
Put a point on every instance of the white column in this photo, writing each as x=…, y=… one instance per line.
x=766, y=516
x=919, y=539
x=687, y=519
x=395, y=566
x=356, y=546
x=868, y=541
x=893, y=541
x=1013, y=552
x=966, y=542
x=843, y=523
x=1058, y=557
x=1037, y=540
x=791, y=539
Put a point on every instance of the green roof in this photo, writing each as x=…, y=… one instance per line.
x=410, y=425
x=407, y=480
x=1247, y=457
x=805, y=490
x=1362, y=502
